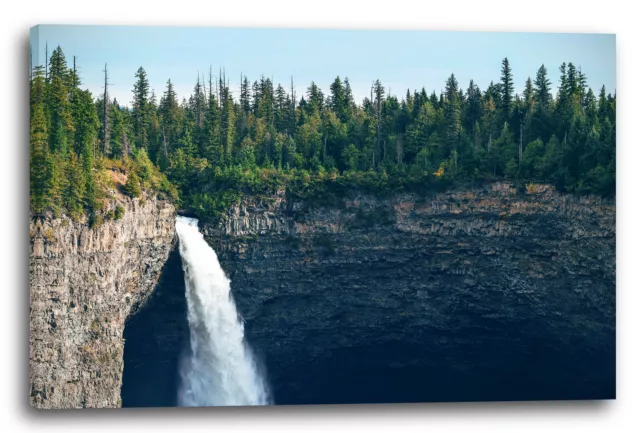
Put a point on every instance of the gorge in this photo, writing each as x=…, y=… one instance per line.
x=485, y=293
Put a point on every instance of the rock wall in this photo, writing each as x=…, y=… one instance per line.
x=84, y=284
x=488, y=293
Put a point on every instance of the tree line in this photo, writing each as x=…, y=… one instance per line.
x=215, y=145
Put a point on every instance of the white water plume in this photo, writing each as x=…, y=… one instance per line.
x=220, y=369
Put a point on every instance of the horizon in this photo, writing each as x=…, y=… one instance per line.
x=319, y=55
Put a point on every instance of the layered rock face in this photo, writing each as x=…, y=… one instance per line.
x=84, y=284
x=492, y=293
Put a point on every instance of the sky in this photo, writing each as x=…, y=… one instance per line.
x=401, y=59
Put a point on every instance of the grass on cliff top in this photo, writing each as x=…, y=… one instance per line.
x=209, y=194
x=103, y=195
x=226, y=187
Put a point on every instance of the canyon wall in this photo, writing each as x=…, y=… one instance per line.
x=493, y=292
x=84, y=284
x=486, y=293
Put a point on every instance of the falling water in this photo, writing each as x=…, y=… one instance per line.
x=220, y=369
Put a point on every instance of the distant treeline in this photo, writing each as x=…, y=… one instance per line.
x=215, y=146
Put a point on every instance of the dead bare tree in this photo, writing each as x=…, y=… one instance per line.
x=105, y=114
x=46, y=61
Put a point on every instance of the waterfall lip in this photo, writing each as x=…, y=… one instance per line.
x=220, y=369
x=190, y=221
x=186, y=213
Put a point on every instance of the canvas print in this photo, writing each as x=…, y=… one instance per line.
x=247, y=216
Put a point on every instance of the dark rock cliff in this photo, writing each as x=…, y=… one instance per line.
x=84, y=284
x=491, y=293
x=480, y=294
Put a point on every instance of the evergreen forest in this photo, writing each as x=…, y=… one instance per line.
x=206, y=151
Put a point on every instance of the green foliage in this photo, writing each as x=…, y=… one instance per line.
x=209, y=150
x=96, y=220
x=119, y=213
x=132, y=187
x=73, y=195
x=142, y=110
x=533, y=160
x=40, y=185
x=506, y=80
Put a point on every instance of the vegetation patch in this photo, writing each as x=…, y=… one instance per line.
x=119, y=213
x=49, y=236
x=207, y=152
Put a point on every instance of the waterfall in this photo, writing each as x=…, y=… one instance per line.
x=220, y=369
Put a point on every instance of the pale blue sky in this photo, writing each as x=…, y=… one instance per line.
x=400, y=59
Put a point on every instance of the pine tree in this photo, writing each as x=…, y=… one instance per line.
x=117, y=122
x=212, y=148
x=57, y=182
x=140, y=112
x=73, y=194
x=40, y=177
x=583, y=88
x=527, y=95
x=281, y=109
x=37, y=89
x=473, y=107
x=378, y=90
x=86, y=122
x=86, y=129
x=196, y=112
x=132, y=186
x=433, y=98
x=603, y=106
x=186, y=142
x=338, y=99
x=506, y=89
x=58, y=105
x=572, y=79
x=542, y=123
x=452, y=123
x=199, y=103
x=419, y=133
x=349, y=103
x=315, y=99
x=293, y=115
x=74, y=77
x=169, y=115
x=58, y=66
x=245, y=95
x=542, y=90
x=227, y=128
x=91, y=192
